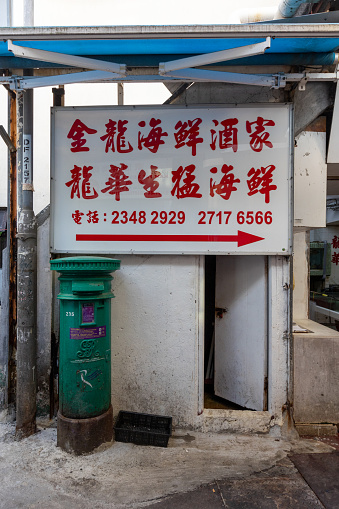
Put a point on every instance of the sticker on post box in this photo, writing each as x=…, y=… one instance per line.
x=88, y=333
x=88, y=312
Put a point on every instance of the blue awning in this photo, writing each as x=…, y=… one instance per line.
x=149, y=52
x=173, y=46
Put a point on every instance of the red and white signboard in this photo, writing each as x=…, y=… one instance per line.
x=205, y=180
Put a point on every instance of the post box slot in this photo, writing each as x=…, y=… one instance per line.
x=87, y=287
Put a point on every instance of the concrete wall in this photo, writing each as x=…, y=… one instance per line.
x=301, y=286
x=211, y=93
x=316, y=374
x=279, y=299
x=44, y=313
x=155, y=336
x=4, y=333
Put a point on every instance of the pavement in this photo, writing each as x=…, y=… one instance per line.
x=196, y=471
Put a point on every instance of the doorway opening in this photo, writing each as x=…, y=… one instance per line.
x=211, y=400
x=235, y=347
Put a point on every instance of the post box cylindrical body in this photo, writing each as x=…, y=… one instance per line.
x=85, y=347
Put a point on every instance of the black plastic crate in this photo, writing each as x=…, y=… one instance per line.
x=143, y=429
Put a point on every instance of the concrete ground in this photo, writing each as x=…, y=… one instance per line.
x=196, y=470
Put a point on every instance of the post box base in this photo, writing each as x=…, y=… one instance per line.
x=80, y=436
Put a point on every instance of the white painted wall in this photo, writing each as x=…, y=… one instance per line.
x=44, y=312
x=279, y=297
x=310, y=180
x=155, y=336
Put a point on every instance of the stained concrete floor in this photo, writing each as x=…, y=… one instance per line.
x=196, y=470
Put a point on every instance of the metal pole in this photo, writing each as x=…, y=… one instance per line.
x=58, y=100
x=26, y=277
x=26, y=388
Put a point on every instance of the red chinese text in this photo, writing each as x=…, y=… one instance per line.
x=77, y=216
x=150, y=184
x=227, y=136
x=261, y=181
x=185, y=187
x=115, y=137
x=77, y=133
x=258, y=135
x=80, y=185
x=154, y=138
x=187, y=133
x=92, y=217
x=226, y=185
x=118, y=181
x=335, y=242
x=335, y=258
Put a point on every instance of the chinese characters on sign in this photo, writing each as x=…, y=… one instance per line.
x=183, y=178
x=169, y=175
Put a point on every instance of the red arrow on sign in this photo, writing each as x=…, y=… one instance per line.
x=242, y=238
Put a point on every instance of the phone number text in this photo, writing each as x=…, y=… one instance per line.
x=205, y=217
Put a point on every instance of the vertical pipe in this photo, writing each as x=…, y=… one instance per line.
x=58, y=100
x=26, y=276
x=12, y=253
x=26, y=262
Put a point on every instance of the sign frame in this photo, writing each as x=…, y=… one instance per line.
x=197, y=247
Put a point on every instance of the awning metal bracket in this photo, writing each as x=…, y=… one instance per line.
x=63, y=59
x=28, y=82
x=217, y=56
x=262, y=80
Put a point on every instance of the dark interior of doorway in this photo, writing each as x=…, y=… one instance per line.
x=210, y=399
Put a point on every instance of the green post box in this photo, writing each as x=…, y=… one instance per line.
x=85, y=417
